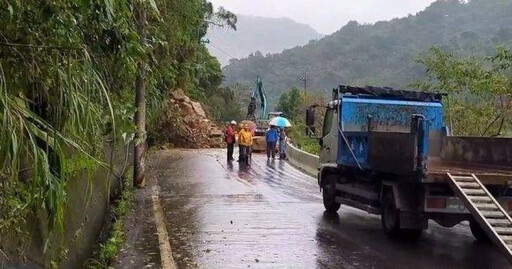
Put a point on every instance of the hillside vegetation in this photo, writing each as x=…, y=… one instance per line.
x=384, y=53
x=267, y=35
x=68, y=71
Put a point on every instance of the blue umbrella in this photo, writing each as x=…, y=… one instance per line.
x=280, y=122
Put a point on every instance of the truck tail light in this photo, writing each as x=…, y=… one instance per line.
x=436, y=202
x=509, y=204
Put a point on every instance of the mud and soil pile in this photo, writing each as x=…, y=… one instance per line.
x=185, y=124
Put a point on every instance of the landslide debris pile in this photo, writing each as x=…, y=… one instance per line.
x=186, y=125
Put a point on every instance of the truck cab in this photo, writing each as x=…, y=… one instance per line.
x=330, y=136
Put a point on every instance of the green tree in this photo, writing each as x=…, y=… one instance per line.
x=294, y=104
x=479, y=90
x=224, y=105
x=291, y=103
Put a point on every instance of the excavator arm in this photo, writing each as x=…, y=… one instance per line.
x=251, y=111
x=263, y=98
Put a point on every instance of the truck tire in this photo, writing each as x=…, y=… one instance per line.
x=329, y=194
x=478, y=232
x=390, y=215
x=390, y=220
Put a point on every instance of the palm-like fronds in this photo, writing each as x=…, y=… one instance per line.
x=33, y=149
x=67, y=58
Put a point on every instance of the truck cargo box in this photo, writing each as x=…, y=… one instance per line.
x=380, y=134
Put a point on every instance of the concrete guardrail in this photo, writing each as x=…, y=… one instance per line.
x=306, y=162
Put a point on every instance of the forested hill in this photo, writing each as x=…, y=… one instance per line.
x=267, y=35
x=383, y=53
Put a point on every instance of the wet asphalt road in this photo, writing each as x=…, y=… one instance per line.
x=270, y=215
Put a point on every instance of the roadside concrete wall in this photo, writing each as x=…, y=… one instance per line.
x=85, y=213
x=306, y=162
x=478, y=150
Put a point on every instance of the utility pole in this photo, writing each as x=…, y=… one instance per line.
x=305, y=80
x=139, y=173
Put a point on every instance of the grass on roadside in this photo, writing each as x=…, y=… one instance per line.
x=302, y=141
x=106, y=252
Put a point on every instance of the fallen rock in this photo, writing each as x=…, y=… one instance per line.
x=198, y=109
x=179, y=96
x=186, y=108
x=216, y=132
x=186, y=124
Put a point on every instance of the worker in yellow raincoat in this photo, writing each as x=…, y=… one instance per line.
x=245, y=143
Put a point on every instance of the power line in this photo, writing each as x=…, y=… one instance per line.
x=221, y=50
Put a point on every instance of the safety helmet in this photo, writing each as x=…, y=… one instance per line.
x=233, y=122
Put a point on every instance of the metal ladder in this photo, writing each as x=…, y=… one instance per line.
x=489, y=214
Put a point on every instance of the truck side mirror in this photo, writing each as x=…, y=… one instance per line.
x=310, y=117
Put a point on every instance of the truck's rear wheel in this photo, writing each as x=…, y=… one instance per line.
x=478, y=232
x=329, y=194
x=390, y=220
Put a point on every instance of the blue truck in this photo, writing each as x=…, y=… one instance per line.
x=388, y=152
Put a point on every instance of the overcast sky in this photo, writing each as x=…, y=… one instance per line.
x=326, y=16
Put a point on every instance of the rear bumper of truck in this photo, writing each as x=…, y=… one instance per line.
x=451, y=204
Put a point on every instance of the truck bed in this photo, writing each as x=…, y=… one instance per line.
x=488, y=174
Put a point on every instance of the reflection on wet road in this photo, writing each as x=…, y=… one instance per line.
x=270, y=215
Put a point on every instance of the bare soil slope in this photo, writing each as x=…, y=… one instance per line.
x=186, y=125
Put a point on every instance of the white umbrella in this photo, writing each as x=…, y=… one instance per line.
x=280, y=122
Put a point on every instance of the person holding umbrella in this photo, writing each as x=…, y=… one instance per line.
x=282, y=123
x=272, y=136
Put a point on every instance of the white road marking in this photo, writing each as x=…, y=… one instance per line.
x=163, y=237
